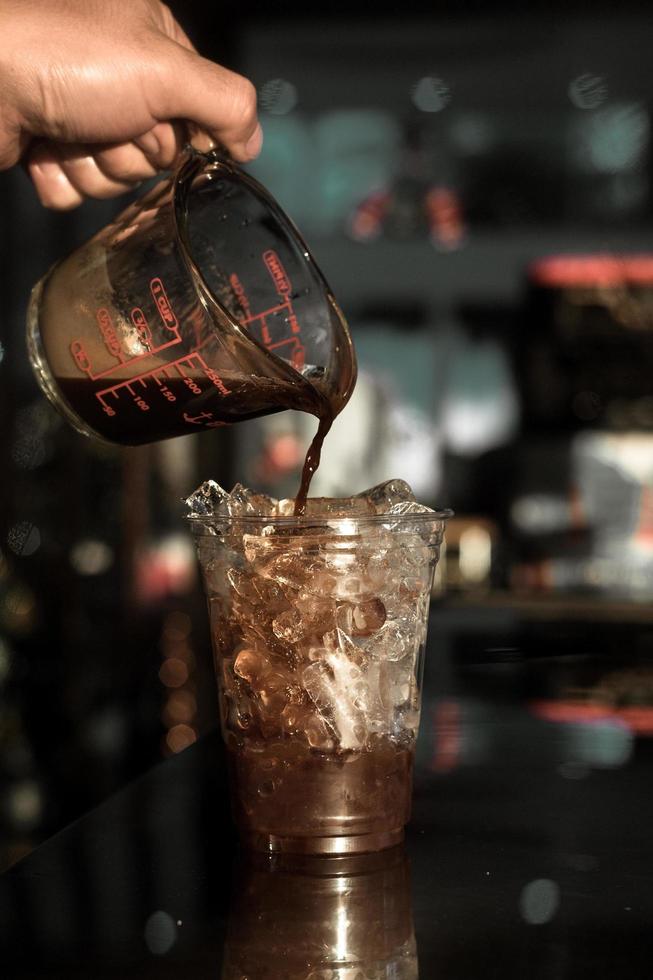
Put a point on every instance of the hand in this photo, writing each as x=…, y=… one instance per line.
x=95, y=92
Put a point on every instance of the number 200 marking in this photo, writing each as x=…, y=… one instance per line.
x=195, y=388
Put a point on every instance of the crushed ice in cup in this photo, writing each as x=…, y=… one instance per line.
x=391, y=497
x=318, y=624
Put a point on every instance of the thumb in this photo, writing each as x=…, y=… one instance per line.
x=216, y=99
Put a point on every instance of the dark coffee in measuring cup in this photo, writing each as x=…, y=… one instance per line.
x=199, y=306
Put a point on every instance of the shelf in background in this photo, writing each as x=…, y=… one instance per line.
x=489, y=267
x=544, y=607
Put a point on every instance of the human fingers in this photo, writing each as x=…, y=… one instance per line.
x=65, y=175
x=163, y=143
x=218, y=100
x=52, y=184
x=125, y=162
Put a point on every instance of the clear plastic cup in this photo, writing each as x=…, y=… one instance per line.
x=319, y=627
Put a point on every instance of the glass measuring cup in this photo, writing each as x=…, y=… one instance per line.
x=200, y=305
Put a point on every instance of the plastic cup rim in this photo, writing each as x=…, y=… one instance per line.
x=329, y=521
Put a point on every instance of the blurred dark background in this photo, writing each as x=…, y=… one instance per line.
x=476, y=187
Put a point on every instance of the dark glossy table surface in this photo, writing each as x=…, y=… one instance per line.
x=528, y=855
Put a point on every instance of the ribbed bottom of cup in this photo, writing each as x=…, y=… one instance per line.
x=351, y=844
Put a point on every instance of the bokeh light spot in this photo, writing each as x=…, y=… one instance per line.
x=588, y=91
x=181, y=707
x=24, y=538
x=18, y=610
x=180, y=737
x=177, y=625
x=173, y=672
x=91, y=557
x=160, y=933
x=431, y=94
x=25, y=804
x=278, y=96
x=539, y=901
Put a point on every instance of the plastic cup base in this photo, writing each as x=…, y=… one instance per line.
x=353, y=844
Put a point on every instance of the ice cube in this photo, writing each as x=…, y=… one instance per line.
x=272, y=692
x=315, y=609
x=409, y=507
x=358, y=506
x=250, y=665
x=398, y=689
x=290, y=568
x=395, y=640
x=346, y=646
x=290, y=626
x=409, y=551
x=242, y=584
x=258, y=634
x=384, y=495
x=209, y=499
x=378, y=570
x=273, y=596
x=243, y=502
x=318, y=733
x=301, y=720
x=361, y=618
x=258, y=547
x=321, y=582
x=239, y=713
x=329, y=683
x=317, y=613
x=294, y=718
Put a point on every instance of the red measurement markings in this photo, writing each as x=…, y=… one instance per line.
x=163, y=388
x=163, y=305
x=139, y=320
x=270, y=310
x=283, y=287
x=209, y=372
x=83, y=361
x=216, y=380
x=241, y=295
x=181, y=367
x=80, y=357
x=279, y=276
x=109, y=335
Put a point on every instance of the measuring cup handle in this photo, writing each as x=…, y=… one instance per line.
x=203, y=142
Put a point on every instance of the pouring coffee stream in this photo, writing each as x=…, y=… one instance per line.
x=199, y=306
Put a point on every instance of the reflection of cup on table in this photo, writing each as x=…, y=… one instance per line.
x=319, y=626
x=295, y=917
